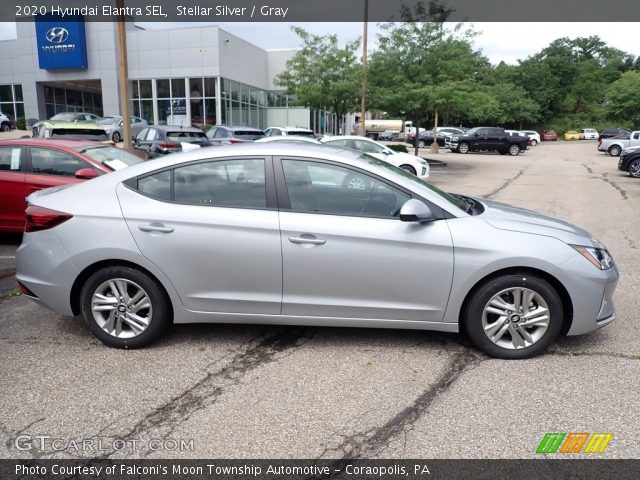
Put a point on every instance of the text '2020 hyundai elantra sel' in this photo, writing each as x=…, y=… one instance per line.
x=293, y=234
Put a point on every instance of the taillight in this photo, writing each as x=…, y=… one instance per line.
x=168, y=145
x=40, y=218
x=233, y=140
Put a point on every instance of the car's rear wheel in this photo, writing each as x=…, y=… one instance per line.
x=408, y=168
x=514, y=316
x=514, y=150
x=533, y=142
x=614, y=150
x=354, y=181
x=5, y=127
x=463, y=147
x=634, y=168
x=421, y=143
x=124, y=307
x=116, y=137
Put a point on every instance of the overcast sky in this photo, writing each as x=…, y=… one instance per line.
x=501, y=41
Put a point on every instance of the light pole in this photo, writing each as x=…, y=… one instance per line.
x=123, y=76
x=363, y=107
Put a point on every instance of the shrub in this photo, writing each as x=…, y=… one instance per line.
x=398, y=148
x=21, y=123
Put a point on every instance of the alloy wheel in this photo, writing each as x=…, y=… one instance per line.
x=121, y=308
x=515, y=318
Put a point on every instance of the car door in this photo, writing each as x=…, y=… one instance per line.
x=212, y=228
x=346, y=254
x=480, y=140
x=12, y=188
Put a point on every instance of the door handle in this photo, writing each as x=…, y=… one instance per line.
x=154, y=227
x=308, y=240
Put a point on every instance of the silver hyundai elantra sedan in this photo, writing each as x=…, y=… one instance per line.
x=307, y=235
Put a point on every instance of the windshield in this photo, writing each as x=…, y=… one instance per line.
x=472, y=131
x=187, y=137
x=112, y=157
x=79, y=134
x=63, y=117
x=301, y=133
x=248, y=134
x=109, y=120
x=449, y=198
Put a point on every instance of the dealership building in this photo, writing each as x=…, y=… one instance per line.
x=183, y=76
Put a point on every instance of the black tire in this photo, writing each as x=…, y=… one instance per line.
x=533, y=142
x=421, y=144
x=116, y=137
x=5, y=127
x=614, y=150
x=463, y=147
x=634, y=168
x=513, y=150
x=474, y=316
x=408, y=168
x=372, y=136
x=159, y=312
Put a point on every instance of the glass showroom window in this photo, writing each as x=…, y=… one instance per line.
x=202, y=95
x=172, y=102
x=142, y=100
x=11, y=102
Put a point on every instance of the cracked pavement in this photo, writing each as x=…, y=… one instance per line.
x=244, y=391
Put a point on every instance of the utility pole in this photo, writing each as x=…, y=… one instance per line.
x=363, y=107
x=123, y=77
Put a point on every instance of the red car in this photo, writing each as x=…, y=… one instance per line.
x=27, y=165
x=549, y=136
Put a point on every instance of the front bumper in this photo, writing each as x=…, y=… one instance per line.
x=591, y=292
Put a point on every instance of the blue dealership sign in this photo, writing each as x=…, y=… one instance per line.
x=62, y=44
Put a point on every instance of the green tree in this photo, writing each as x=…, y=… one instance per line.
x=417, y=61
x=624, y=100
x=323, y=75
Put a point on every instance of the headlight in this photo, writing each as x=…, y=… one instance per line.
x=599, y=257
x=454, y=139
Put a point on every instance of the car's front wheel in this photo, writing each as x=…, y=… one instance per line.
x=5, y=127
x=116, y=137
x=634, y=168
x=421, y=144
x=514, y=316
x=408, y=168
x=124, y=307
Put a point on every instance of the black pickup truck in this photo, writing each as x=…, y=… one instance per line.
x=487, y=139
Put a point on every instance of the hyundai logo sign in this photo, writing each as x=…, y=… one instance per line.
x=57, y=35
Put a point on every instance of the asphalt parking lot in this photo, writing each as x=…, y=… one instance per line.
x=242, y=391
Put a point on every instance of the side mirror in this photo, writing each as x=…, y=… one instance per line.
x=416, y=211
x=86, y=173
x=387, y=152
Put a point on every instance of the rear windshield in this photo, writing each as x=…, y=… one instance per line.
x=301, y=133
x=79, y=134
x=112, y=157
x=187, y=137
x=248, y=134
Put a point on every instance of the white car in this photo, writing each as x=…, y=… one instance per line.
x=533, y=135
x=294, y=131
x=589, y=134
x=410, y=163
x=5, y=122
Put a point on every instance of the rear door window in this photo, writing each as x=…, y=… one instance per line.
x=46, y=161
x=10, y=159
